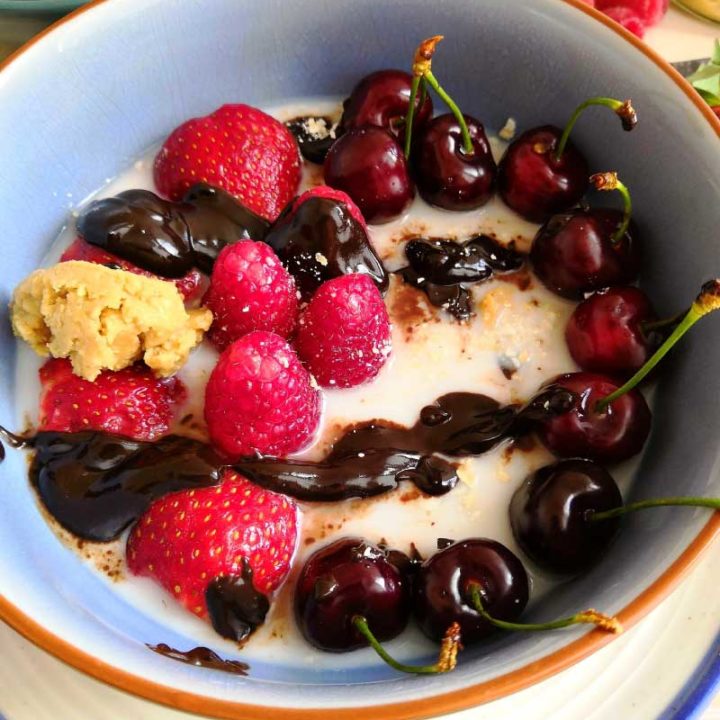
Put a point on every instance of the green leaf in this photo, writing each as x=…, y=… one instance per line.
x=706, y=79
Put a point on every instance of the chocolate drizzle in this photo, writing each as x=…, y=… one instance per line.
x=321, y=240
x=314, y=135
x=373, y=458
x=443, y=268
x=96, y=485
x=202, y=657
x=236, y=608
x=169, y=238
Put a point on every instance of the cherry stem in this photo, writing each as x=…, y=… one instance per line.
x=610, y=181
x=447, y=658
x=648, y=327
x=713, y=503
x=422, y=69
x=706, y=302
x=591, y=617
x=623, y=109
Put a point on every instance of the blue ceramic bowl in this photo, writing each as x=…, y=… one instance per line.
x=92, y=95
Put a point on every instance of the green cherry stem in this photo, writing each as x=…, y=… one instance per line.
x=610, y=181
x=422, y=69
x=591, y=617
x=447, y=658
x=623, y=109
x=712, y=503
x=706, y=302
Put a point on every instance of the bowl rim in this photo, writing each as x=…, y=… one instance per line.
x=442, y=703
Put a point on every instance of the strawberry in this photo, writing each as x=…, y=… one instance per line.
x=250, y=290
x=187, y=539
x=325, y=191
x=130, y=402
x=237, y=148
x=646, y=13
x=628, y=18
x=260, y=399
x=344, y=333
x=188, y=286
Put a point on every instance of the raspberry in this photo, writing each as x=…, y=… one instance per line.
x=260, y=399
x=250, y=290
x=627, y=18
x=646, y=12
x=344, y=333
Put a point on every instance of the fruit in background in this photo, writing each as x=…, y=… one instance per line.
x=346, y=578
x=635, y=15
x=613, y=331
x=383, y=98
x=542, y=173
x=368, y=164
x=131, y=402
x=452, y=162
x=260, y=399
x=441, y=591
x=583, y=250
x=188, y=286
x=628, y=18
x=220, y=549
x=323, y=235
x=237, y=148
x=605, y=434
x=343, y=335
x=565, y=515
x=249, y=290
x=351, y=594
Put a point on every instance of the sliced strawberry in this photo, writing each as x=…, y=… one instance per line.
x=189, y=286
x=130, y=402
x=187, y=539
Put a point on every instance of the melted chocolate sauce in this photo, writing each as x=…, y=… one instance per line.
x=372, y=458
x=236, y=608
x=169, y=238
x=442, y=268
x=202, y=657
x=321, y=240
x=96, y=485
x=314, y=145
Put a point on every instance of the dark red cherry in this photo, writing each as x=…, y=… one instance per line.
x=573, y=253
x=445, y=174
x=610, y=435
x=347, y=578
x=442, y=588
x=534, y=182
x=550, y=515
x=383, y=98
x=368, y=164
x=608, y=332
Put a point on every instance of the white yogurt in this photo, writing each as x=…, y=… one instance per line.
x=432, y=355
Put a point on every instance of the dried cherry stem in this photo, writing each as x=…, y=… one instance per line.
x=590, y=616
x=610, y=181
x=14, y=441
x=712, y=503
x=623, y=109
x=447, y=658
x=706, y=302
x=422, y=70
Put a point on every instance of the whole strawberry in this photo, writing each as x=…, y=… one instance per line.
x=260, y=399
x=193, y=541
x=130, y=402
x=237, y=148
x=188, y=286
x=250, y=290
x=344, y=333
